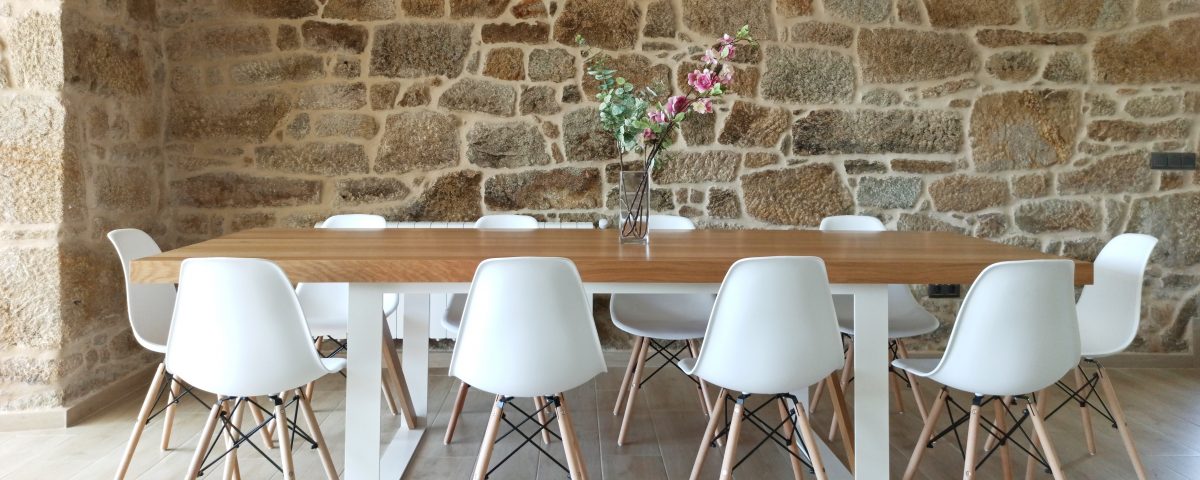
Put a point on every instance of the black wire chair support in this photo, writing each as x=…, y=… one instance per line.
x=1006, y=436
x=550, y=407
x=184, y=390
x=1085, y=395
x=773, y=434
x=243, y=437
x=671, y=358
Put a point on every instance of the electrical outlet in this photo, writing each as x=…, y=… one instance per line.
x=945, y=291
x=1173, y=161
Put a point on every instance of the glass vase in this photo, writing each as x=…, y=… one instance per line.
x=633, y=221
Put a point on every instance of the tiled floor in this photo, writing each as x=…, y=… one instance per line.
x=1160, y=403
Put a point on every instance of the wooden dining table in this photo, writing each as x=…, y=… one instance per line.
x=420, y=262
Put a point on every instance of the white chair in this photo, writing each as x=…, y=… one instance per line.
x=527, y=331
x=326, y=307
x=150, y=306
x=239, y=332
x=1109, y=310
x=658, y=322
x=1016, y=334
x=906, y=319
x=452, y=317
x=773, y=331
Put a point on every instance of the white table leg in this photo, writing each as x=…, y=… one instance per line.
x=416, y=352
x=870, y=382
x=364, y=360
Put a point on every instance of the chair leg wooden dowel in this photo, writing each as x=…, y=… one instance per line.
x=169, y=414
x=1110, y=395
x=263, y=433
x=847, y=371
x=972, y=445
x=314, y=428
x=539, y=404
x=1085, y=415
x=914, y=461
x=634, y=386
x=232, y=469
x=206, y=434
x=1001, y=422
x=1030, y=463
x=1047, y=446
x=735, y=430
x=702, y=387
x=790, y=434
x=841, y=416
x=633, y=356
x=285, y=445
x=918, y=398
x=894, y=384
x=456, y=411
x=489, y=441
x=140, y=424
x=402, y=394
x=710, y=430
x=570, y=442
x=815, y=400
x=810, y=439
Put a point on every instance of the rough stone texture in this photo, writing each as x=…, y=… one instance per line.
x=235, y=117
x=506, y=145
x=564, y=188
x=873, y=131
x=889, y=192
x=331, y=96
x=1028, y=129
x=699, y=129
x=554, y=65
x=1088, y=14
x=294, y=68
x=714, y=19
x=795, y=8
x=1173, y=220
x=424, y=8
x=1122, y=58
x=529, y=9
x=334, y=37
x=797, y=196
x=477, y=8
x=413, y=50
x=698, y=167
x=1033, y=185
x=313, y=158
x=724, y=203
x=353, y=125
x=964, y=193
x=970, y=13
x=807, y=75
x=529, y=32
x=922, y=166
x=860, y=11
x=998, y=37
x=453, y=197
x=1127, y=131
x=361, y=10
x=505, y=64
x=750, y=125
x=1058, y=215
x=832, y=34
x=584, y=139
x=540, y=100
x=860, y=166
x=881, y=97
x=369, y=190
x=660, y=20
x=745, y=79
x=598, y=21
x=225, y=190
x=921, y=222
x=895, y=55
x=218, y=42
x=1156, y=106
x=1013, y=66
x=1066, y=67
x=1126, y=173
x=636, y=69
x=418, y=140
x=481, y=96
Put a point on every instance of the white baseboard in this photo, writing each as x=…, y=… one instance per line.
x=63, y=417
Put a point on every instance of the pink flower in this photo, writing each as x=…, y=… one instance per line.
x=727, y=40
x=727, y=51
x=648, y=134
x=702, y=106
x=711, y=57
x=726, y=76
x=702, y=81
x=657, y=116
x=676, y=104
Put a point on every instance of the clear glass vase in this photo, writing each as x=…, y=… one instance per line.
x=633, y=222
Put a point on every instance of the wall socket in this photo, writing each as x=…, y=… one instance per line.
x=1173, y=161
x=945, y=291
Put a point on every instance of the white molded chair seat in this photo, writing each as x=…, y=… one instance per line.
x=326, y=305
x=671, y=316
x=1110, y=309
x=452, y=317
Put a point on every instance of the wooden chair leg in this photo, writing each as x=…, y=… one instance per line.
x=894, y=384
x=1085, y=415
x=232, y=469
x=918, y=398
x=790, y=434
x=489, y=441
x=1110, y=395
x=914, y=461
x=1047, y=446
x=456, y=411
x=388, y=398
x=308, y=389
x=633, y=356
x=401, y=393
x=847, y=372
x=705, y=403
x=709, y=431
x=990, y=441
x=314, y=428
x=285, y=445
x=735, y=430
x=570, y=442
x=169, y=414
x=972, y=446
x=1030, y=463
x=205, y=436
x=539, y=404
x=841, y=415
x=1001, y=422
x=263, y=433
x=562, y=399
x=139, y=425
x=810, y=439
x=816, y=397
x=634, y=386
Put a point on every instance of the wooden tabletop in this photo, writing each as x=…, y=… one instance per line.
x=699, y=256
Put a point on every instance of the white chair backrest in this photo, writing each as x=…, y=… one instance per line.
x=1016, y=331
x=851, y=223
x=527, y=329
x=238, y=329
x=150, y=304
x=355, y=220
x=670, y=222
x=1111, y=307
x=773, y=328
x=506, y=221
